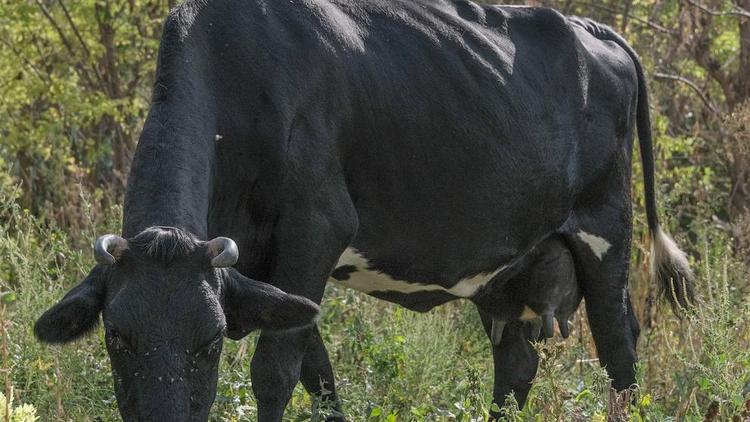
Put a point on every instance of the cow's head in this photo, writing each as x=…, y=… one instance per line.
x=167, y=300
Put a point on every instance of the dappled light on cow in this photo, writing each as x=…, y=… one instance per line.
x=167, y=300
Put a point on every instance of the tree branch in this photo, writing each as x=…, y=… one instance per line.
x=646, y=22
x=740, y=10
x=81, y=69
x=59, y=30
x=737, y=11
x=39, y=74
x=692, y=85
x=86, y=51
x=74, y=28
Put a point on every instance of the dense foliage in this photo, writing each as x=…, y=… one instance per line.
x=75, y=81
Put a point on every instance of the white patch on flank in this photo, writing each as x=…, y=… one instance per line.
x=599, y=245
x=219, y=137
x=368, y=280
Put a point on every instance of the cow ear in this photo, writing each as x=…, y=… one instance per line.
x=250, y=305
x=77, y=313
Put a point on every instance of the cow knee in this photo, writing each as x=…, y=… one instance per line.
x=273, y=379
x=275, y=369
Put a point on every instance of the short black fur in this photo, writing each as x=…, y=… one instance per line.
x=439, y=138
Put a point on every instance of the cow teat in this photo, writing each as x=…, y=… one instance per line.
x=498, y=326
x=544, y=289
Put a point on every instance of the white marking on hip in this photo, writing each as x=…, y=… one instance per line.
x=368, y=280
x=599, y=245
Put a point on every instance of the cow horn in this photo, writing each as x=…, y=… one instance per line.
x=223, y=252
x=108, y=248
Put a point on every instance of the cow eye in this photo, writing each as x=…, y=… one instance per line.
x=212, y=345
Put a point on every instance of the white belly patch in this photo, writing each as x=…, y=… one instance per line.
x=367, y=280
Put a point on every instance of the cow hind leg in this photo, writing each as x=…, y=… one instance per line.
x=600, y=241
x=515, y=361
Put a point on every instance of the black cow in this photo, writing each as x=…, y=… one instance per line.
x=417, y=149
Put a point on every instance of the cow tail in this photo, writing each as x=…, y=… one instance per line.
x=669, y=267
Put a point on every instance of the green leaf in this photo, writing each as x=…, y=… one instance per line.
x=585, y=394
x=8, y=297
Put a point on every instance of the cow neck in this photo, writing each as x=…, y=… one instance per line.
x=170, y=178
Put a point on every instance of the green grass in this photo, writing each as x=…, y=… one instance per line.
x=393, y=364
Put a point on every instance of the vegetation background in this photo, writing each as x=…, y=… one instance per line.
x=75, y=84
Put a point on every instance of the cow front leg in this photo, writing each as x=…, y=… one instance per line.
x=311, y=234
x=280, y=360
x=317, y=378
x=275, y=370
x=515, y=360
